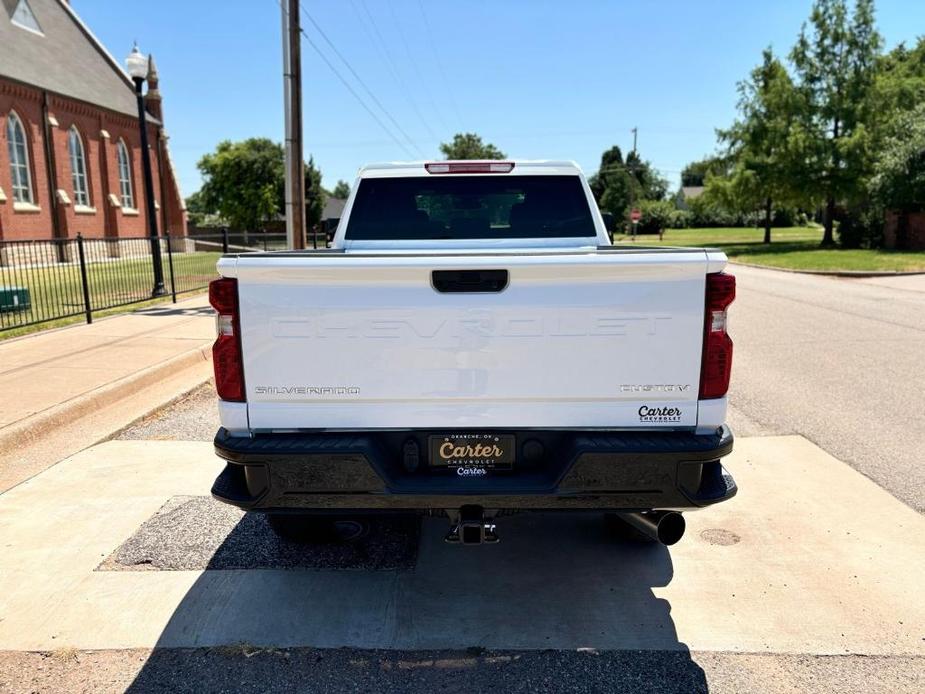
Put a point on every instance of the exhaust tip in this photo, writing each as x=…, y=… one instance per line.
x=666, y=527
x=670, y=528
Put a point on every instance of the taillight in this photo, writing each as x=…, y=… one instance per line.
x=469, y=167
x=716, y=366
x=226, y=352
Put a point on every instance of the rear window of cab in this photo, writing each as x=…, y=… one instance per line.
x=470, y=207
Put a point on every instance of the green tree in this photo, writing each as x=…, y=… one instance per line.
x=899, y=172
x=243, y=182
x=315, y=195
x=899, y=85
x=611, y=161
x=760, y=146
x=470, y=146
x=900, y=81
x=612, y=185
x=341, y=190
x=647, y=183
x=898, y=181
x=695, y=173
x=196, y=209
x=617, y=198
x=619, y=184
x=835, y=67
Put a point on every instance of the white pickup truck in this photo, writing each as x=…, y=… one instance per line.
x=473, y=344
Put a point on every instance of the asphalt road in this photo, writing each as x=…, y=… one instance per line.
x=246, y=668
x=839, y=361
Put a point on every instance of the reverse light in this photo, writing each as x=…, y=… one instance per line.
x=716, y=363
x=470, y=167
x=226, y=352
x=224, y=325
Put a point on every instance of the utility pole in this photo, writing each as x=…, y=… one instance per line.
x=292, y=105
x=633, y=187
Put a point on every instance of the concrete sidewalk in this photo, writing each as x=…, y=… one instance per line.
x=95, y=379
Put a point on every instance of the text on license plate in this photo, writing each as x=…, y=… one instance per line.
x=476, y=450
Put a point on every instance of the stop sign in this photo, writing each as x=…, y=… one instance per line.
x=635, y=215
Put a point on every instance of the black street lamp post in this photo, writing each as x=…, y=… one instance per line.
x=137, y=66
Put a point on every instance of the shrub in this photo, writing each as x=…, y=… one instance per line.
x=861, y=227
x=680, y=219
x=656, y=216
x=782, y=217
x=706, y=213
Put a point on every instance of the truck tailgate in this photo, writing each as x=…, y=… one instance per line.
x=349, y=341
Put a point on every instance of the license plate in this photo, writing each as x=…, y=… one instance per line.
x=489, y=451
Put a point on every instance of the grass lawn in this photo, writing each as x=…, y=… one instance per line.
x=795, y=248
x=115, y=286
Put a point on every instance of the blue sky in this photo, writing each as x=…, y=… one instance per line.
x=540, y=79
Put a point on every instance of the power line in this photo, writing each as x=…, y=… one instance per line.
x=619, y=167
x=356, y=96
x=350, y=88
x=362, y=83
x=610, y=168
x=637, y=168
x=395, y=73
x=433, y=49
x=422, y=83
x=385, y=128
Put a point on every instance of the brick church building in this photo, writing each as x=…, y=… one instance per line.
x=70, y=153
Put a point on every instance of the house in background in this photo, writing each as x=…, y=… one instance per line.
x=904, y=231
x=331, y=214
x=685, y=194
x=70, y=152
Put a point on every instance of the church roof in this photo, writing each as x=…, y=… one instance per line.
x=62, y=56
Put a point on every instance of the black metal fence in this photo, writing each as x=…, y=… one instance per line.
x=258, y=240
x=50, y=279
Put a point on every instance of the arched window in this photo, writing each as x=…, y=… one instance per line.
x=19, y=159
x=75, y=148
x=125, y=175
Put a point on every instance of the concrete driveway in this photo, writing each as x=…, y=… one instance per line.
x=810, y=558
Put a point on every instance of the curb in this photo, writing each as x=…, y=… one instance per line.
x=835, y=273
x=25, y=431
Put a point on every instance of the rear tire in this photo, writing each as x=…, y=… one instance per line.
x=308, y=528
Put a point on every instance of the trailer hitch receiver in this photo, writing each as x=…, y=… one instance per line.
x=470, y=526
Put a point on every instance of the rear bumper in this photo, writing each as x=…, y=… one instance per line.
x=576, y=470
